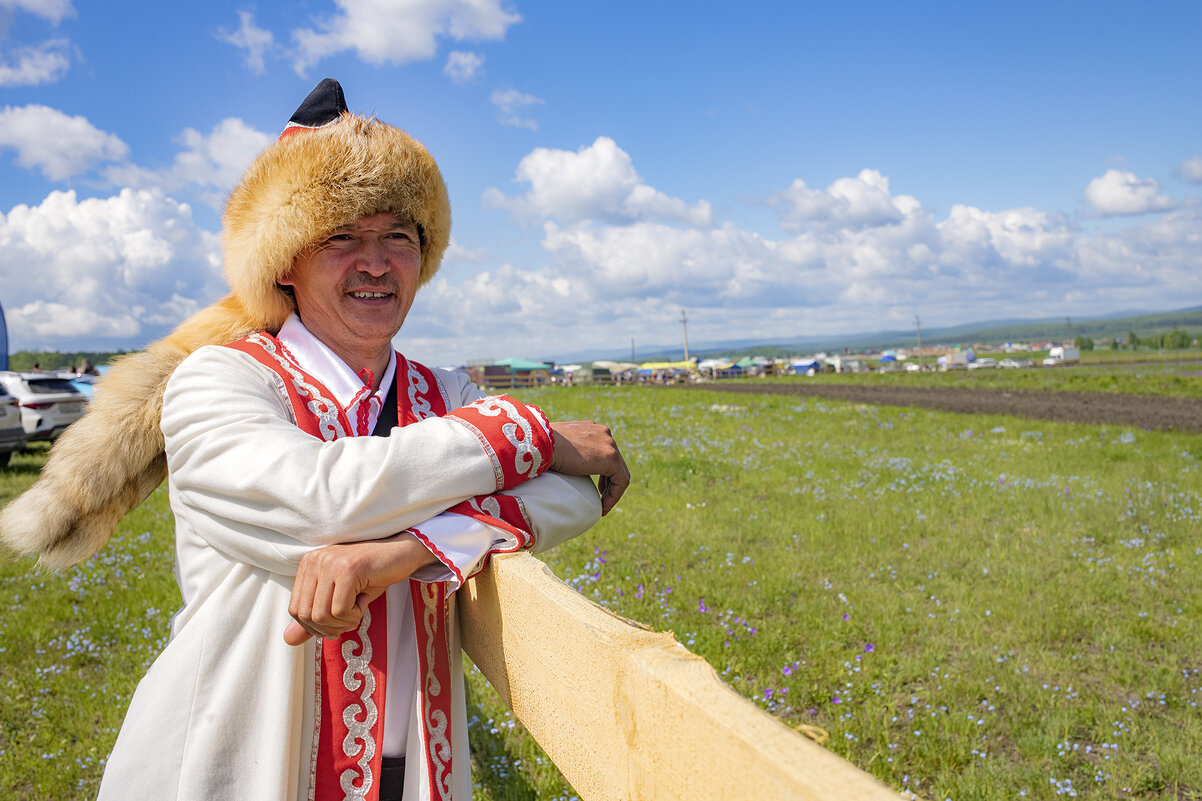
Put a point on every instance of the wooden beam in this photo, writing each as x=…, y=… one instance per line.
x=629, y=713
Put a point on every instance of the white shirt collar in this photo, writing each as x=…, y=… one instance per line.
x=315, y=357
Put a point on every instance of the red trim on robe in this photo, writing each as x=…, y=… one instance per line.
x=509, y=425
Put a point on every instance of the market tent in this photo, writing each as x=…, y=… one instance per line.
x=616, y=367
x=805, y=366
x=689, y=365
x=714, y=364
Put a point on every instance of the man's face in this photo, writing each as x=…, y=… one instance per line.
x=354, y=287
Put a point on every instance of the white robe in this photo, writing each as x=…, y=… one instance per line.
x=226, y=711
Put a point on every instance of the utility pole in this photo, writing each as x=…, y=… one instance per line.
x=684, y=322
x=1068, y=322
x=632, y=349
x=918, y=329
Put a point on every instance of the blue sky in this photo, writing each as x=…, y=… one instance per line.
x=777, y=170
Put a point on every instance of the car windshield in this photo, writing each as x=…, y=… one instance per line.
x=50, y=386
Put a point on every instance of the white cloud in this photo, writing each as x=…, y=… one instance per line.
x=399, y=31
x=856, y=259
x=595, y=182
x=647, y=258
x=848, y=202
x=509, y=102
x=208, y=162
x=458, y=254
x=53, y=10
x=1120, y=192
x=1154, y=265
x=254, y=40
x=80, y=273
x=1014, y=240
x=33, y=66
x=58, y=145
x=462, y=66
x=1191, y=170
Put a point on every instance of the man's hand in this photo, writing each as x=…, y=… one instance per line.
x=584, y=448
x=336, y=583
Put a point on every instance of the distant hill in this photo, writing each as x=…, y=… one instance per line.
x=1142, y=324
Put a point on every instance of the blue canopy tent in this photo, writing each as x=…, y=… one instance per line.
x=806, y=367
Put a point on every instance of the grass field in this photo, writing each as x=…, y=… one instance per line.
x=971, y=607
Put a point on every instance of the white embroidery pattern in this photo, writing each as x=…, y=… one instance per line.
x=527, y=460
x=417, y=384
x=436, y=720
x=324, y=409
x=358, y=730
x=489, y=506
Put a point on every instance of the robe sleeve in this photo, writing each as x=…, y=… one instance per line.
x=558, y=507
x=246, y=481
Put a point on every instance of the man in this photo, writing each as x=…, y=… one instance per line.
x=292, y=520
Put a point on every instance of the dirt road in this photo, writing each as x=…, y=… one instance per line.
x=1143, y=411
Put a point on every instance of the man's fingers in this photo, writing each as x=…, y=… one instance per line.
x=343, y=600
x=613, y=486
x=300, y=604
x=296, y=634
x=585, y=448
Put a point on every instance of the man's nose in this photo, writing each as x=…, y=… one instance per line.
x=371, y=258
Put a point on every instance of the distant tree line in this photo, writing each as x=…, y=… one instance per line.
x=53, y=360
x=1176, y=339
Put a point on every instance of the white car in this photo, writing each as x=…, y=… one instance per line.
x=980, y=364
x=12, y=433
x=48, y=403
x=1014, y=364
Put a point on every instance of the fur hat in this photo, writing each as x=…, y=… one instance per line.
x=329, y=169
x=306, y=185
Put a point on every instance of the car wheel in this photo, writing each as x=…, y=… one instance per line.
x=4, y=457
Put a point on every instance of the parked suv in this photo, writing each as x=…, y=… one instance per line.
x=12, y=433
x=48, y=403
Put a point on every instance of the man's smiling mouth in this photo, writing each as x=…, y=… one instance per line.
x=370, y=295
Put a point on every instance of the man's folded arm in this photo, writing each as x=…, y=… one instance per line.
x=257, y=487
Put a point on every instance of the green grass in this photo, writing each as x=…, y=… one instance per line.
x=74, y=645
x=972, y=607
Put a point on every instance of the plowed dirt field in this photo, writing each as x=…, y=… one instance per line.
x=1143, y=411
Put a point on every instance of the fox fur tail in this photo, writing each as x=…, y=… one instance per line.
x=111, y=459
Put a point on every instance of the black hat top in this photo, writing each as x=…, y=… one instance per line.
x=324, y=106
